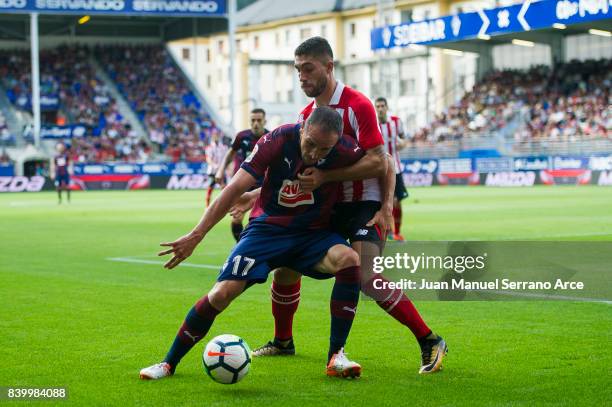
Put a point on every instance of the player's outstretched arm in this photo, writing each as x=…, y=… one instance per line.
x=245, y=203
x=184, y=246
x=229, y=156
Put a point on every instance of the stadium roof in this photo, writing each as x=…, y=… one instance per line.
x=17, y=26
x=264, y=11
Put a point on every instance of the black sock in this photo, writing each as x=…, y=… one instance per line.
x=237, y=230
x=283, y=343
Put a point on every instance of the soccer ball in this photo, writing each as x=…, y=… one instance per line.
x=227, y=359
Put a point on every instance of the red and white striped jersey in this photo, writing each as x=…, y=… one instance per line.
x=391, y=130
x=215, y=153
x=361, y=123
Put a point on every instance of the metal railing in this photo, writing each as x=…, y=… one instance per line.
x=452, y=149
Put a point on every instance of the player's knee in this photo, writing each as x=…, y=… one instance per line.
x=286, y=276
x=224, y=292
x=345, y=257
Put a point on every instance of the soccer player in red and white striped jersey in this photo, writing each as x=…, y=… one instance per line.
x=215, y=153
x=394, y=136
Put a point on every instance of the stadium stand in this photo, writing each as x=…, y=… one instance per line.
x=83, y=99
x=177, y=124
x=159, y=93
x=569, y=101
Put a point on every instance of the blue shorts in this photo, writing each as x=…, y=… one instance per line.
x=263, y=247
x=62, y=180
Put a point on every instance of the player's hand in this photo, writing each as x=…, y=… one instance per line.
x=219, y=178
x=311, y=179
x=181, y=248
x=384, y=219
x=243, y=204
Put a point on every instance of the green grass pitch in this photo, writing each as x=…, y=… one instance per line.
x=72, y=317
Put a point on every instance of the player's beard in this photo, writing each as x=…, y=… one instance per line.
x=317, y=89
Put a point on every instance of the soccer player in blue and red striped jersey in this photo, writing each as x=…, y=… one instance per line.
x=60, y=170
x=289, y=227
x=243, y=144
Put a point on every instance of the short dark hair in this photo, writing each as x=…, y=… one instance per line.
x=381, y=99
x=258, y=110
x=317, y=47
x=328, y=120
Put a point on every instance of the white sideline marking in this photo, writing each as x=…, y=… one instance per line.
x=581, y=234
x=501, y=292
x=156, y=262
x=529, y=239
x=547, y=296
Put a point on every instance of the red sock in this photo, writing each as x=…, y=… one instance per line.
x=285, y=301
x=208, y=194
x=397, y=217
x=396, y=304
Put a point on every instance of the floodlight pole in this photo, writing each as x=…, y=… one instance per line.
x=381, y=53
x=231, y=25
x=35, y=76
x=194, y=33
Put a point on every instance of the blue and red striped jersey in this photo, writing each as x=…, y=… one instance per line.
x=278, y=158
x=243, y=144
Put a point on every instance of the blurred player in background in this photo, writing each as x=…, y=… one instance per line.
x=241, y=148
x=394, y=136
x=363, y=216
x=288, y=226
x=61, y=169
x=215, y=151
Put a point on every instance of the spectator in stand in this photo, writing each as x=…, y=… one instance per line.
x=5, y=159
x=6, y=138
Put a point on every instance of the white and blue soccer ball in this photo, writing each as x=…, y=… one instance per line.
x=227, y=359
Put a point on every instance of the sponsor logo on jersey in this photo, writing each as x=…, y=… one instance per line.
x=362, y=232
x=291, y=195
